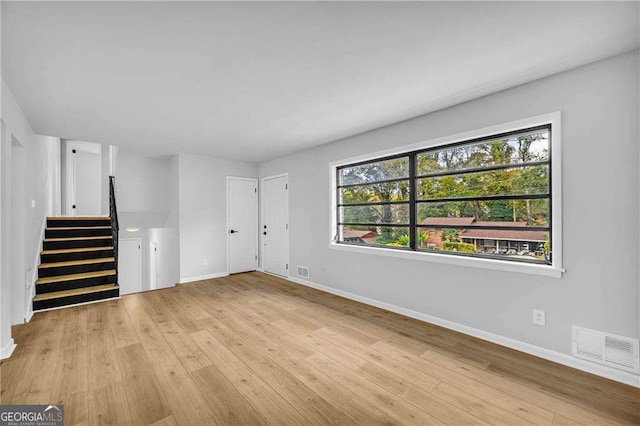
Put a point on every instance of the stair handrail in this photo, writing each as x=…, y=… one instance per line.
x=115, y=225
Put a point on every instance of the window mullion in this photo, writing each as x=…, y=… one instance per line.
x=412, y=201
x=338, y=202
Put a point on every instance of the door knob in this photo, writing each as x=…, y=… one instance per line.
x=233, y=231
x=264, y=233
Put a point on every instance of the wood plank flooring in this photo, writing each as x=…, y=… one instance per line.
x=254, y=349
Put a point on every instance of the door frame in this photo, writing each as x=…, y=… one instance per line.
x=139, y=240
x=246, y=179
x=261, y=193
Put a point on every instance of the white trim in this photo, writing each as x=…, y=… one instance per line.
x=113, y=157
x=203, y=277
x=255, y=180
x=548, y=354
x=80, y=304
x=261, y=221
x=8, y=349
x=554, y=270
x=466, y=261
x=279, y=175
x=69, y=172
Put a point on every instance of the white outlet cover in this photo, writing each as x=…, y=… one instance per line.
x=539, y=317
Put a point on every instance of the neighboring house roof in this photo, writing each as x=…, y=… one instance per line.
x=501, y=234
x=494, y=234
x=499, y=223
x=448, y=221
x=352, y=233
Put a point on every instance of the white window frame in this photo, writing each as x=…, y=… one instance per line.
x=554, y=270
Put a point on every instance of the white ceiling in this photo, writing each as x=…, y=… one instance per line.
x=256, y=81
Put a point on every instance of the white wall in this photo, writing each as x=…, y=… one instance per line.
x=600, y=289
x=172, y=194
x=39, y=170
x=17, y=230
x=180, y=203
x=144, y=202
x=33, y=193
x=54, y=177
x=167, y=243
x=6, y=342
x=105, y=167
x=142, y=183
x=202, y=215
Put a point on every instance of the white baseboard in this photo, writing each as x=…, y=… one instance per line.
x=550, y=355
x=203, y=277
x=7, y=350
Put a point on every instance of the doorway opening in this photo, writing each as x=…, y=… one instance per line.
x=83, y=184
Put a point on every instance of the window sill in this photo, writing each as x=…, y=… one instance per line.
x=494, y=264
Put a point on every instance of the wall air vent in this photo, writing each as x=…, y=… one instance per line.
x=303, y=272
x=608, y=349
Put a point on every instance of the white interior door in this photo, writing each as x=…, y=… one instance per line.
x=85, y=183
x=275, y=225
x=130, y=265
x=242, y=220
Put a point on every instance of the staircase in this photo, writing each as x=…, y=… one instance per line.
x=78, y=262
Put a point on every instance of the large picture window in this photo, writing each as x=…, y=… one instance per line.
x=487, y=197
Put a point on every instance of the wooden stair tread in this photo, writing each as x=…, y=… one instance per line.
x=76, y=250
x=75, y=292
x=73, y=228
x=101, y=237
x=78, y=217
x=71, y=277
x=76, y=262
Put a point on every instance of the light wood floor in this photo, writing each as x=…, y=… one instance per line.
x=253, y=349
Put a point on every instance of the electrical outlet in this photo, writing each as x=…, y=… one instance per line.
x=539, y=317
x=205, y=262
